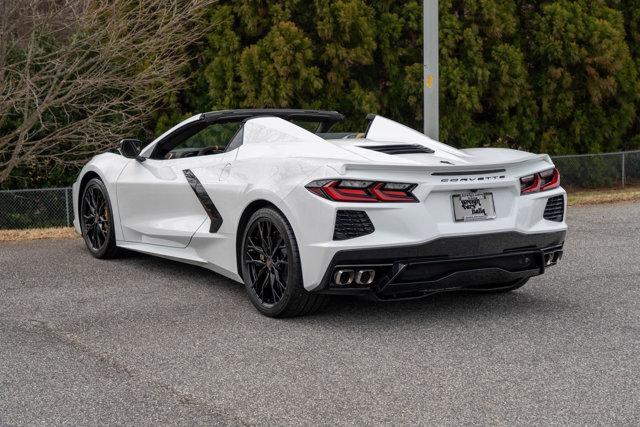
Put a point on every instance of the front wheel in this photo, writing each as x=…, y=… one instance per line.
x=271, y=267
x=96, y=220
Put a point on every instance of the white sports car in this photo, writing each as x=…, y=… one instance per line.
x=272, y=199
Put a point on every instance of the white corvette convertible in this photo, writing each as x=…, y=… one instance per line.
x=272, y=199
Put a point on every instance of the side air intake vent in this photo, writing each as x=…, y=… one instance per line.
x=554, y=211
x=399, y=149
x=351, y=224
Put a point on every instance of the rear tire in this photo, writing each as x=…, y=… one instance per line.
x=500, y=288
x=271, y=269
x=96, y=220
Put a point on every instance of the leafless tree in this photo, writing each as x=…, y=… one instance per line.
x=77, y=75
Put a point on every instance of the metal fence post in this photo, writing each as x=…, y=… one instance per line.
x=66, y=199
x=623, y=171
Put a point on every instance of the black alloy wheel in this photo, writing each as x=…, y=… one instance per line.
x=270, y=266
x=267, y=259
x=96, y=220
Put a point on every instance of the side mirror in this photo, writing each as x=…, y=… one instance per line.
x=130, y=148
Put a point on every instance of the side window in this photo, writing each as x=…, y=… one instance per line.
x=236, y=141
x=311, y=126
x=212, y=139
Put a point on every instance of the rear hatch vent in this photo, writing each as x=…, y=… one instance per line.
x=399, y=149
x=554, y=211
x=352, y=224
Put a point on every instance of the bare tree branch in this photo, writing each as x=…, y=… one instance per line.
x=77, y=75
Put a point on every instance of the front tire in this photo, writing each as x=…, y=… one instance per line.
x=96, y=220
x=271, y=269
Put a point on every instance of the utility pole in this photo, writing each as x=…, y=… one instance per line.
x=431, y=72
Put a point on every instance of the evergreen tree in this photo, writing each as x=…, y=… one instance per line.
x=584, y=75
x=555, y=76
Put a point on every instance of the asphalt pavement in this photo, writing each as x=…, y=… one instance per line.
x=142, y=340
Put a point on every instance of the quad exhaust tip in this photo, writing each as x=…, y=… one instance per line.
x=365, y=277
x=552, y=258
x=346, y=277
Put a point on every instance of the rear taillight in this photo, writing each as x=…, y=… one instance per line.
x=359, y=191
x=550, y=179
x=541, y=181
x=530, y=184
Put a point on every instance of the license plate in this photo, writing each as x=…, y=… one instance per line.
x=473, y=206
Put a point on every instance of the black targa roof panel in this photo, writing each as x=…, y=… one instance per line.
x=326, y=118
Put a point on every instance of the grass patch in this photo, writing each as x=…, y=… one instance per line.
x=38, y=233
x=608, y=195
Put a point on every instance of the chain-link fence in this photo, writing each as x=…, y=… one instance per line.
x=52, y=207
x=607, y=170
x=47, y=207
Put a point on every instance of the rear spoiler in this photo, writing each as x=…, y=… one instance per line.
x=474, y=167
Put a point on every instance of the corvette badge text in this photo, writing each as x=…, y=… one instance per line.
x=482, y=178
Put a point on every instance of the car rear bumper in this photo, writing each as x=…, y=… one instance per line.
x=449, y=263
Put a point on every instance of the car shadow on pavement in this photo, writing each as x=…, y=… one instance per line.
x=531, y=299
x=450, y=304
